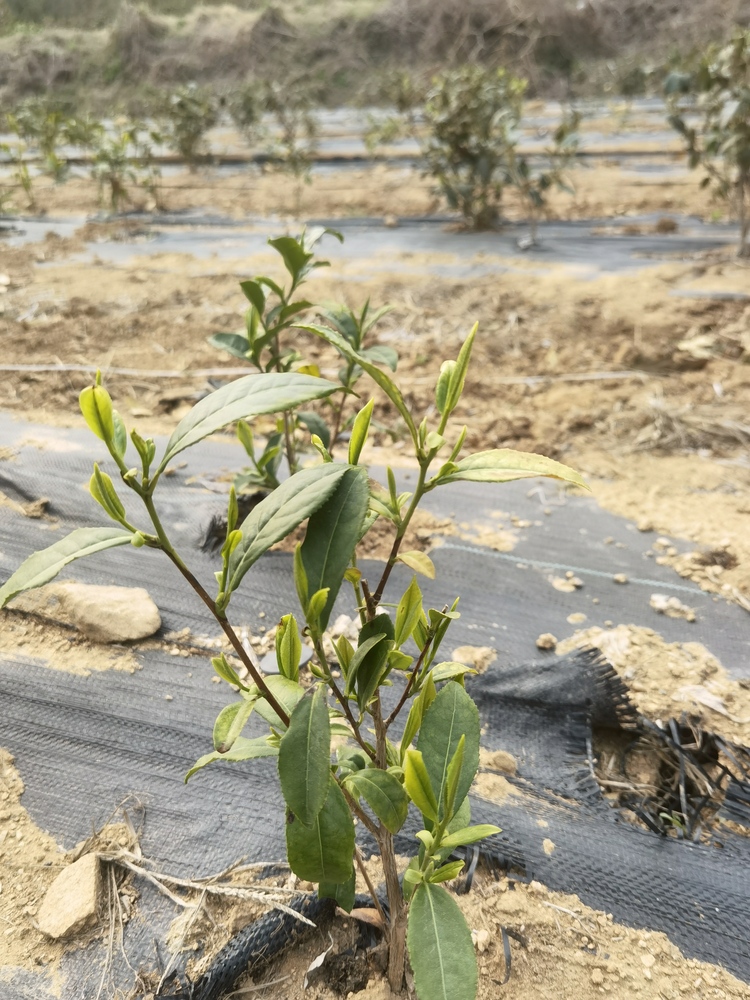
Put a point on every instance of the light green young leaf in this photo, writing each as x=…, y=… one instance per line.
x=288, y=647
x=388, y=386
x=360, y=430
x=452, y=777
x=96, y=407
x=243, y=749
x=332, y=535
x=452, y=715
x=440, y=946
x=408, y=612
x=446, y=872
x=305, y=757
x=384, y=794
x=324, y=851
x=230, y=722
x=458, y=375
x=450, y=670
x=279, y=514
x=286, y=692
x=225, y=671
x=503, y=465
x=418, y=785
x=420, y=562
x=468, y=835
x=246, y=397
x=43, y=566
x=102, y=489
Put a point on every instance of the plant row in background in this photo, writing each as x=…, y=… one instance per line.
x=467, y=123
x=375, y=729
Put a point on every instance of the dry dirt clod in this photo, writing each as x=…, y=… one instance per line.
x=501, y=760
x=546, y=641
x=620, y=578
x=102, y=614
x=478, y=657
x=672, y=607
x=597, y=977
x=72, y=901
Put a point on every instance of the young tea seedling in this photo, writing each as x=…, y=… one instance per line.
x=406, y=728
x=269, y=344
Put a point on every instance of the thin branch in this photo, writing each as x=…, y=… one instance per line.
x=370, y=886
x=407, y=690
x=361, y=815
x=341, y=697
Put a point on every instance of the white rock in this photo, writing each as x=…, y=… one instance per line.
x=102, y=614
x=72, y=901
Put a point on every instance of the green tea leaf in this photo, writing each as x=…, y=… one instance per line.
x=324, y=851
x=446, y=872
x=230, y=722
x=418, y=785
x=342, y=892
x=246, y=397
x=384, y=794
x=288, y=647
x=452, y=715
x=332, y=535
x=243, y=749
x=468, y=835
x=305, y=757
x=388, y=386
x=440, y=947
x=503, y=465
x=43, y=566
x=316, y=425
x=379, y=354
x=233, y=343
x=452, y=776
x=96, y=407
x=449, y=671
x=226, y=672
x=254, y=294
x=286, y=692
x=295, y=259
x=420, y=562
x=102, y=489
x=360, y=430
x=407, y=613
x=278, y=514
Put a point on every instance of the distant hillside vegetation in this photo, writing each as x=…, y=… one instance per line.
x=97, y=52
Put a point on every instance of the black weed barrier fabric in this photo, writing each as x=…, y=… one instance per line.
x=84, y=744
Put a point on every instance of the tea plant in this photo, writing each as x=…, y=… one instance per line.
x=296, y=139
x=42, y=128
x=719, y=93
x=121, y=159
x=188, y=115
x=407, y=731
x=17, y=154
x=534, y=176
x=246, y=108
x=268, y=345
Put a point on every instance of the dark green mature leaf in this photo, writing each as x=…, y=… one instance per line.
x=305, y=757
x=279, y=514
x=388, y=386
x=379, y=354
x=43, y=566
x=440, y=947
x=246, y=397
x=342, y=892
x=323, y=852
x=243, y=749
x=370, y=660
x=384, y=793
x=452, y=715
x=294, y=256
x=233, y=343
x=332, y=535
x=503, y=465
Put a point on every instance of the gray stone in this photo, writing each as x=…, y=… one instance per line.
x=102, y=614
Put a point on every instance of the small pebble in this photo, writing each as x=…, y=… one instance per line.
x=597, y=977
x=546, y=641
x=620, y=578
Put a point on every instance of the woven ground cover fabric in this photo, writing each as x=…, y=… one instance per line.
x=83, y=744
